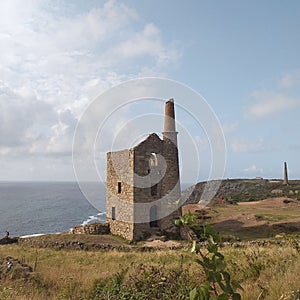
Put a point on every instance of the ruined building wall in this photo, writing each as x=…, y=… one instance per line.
x=170, y=186
x=144, y=175
x=119, y=193
x=145, y=154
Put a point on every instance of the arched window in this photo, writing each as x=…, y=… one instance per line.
x=153, y=162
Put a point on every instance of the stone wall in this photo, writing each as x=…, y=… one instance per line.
x=120, y=198
x=123, y=229
x=171, y=186
x=96, y=228
x=165, y=176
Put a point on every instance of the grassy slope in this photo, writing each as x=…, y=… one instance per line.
x=253, y=220
x=71, y=274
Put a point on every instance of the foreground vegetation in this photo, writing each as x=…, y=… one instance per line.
x=105, y=267
x=264, y=272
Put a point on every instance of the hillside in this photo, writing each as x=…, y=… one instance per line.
x=257, y=220
x=244, y=190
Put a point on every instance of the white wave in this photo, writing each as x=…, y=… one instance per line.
x=100, y=217
x=36, y=234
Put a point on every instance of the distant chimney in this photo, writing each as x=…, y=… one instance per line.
x=285, y=174
x=169, y=123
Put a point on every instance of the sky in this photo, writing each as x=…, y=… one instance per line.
x=58, y=58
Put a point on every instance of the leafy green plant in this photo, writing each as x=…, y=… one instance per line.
x=185, y=222
x=218, y=281
x=218, y=284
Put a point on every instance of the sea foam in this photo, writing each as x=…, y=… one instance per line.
x=100, y=217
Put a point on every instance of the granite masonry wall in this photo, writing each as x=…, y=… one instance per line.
x=96, y=228
x=119, y=193
x=143, y=185
x=141, y=173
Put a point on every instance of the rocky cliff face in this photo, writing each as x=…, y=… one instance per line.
x=238, y=190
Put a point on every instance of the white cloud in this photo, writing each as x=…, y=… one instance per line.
x=57, y=53
x=147, y=42
x=253, y=170
x=56, y=56
x=23, y=118
x=267, y=104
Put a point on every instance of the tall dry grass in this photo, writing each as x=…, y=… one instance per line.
x=265, y=272
x=269, y=273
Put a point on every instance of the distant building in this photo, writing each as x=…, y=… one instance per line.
x=143, y=184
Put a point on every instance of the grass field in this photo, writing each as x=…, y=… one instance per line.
x=272, y=272
x=255, y=220
x=75, y=267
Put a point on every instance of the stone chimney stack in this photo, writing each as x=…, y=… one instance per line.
x=171, y=181
x=169, y=123
x=285, y=174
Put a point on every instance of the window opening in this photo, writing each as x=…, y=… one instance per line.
x=119, y=187
x=113, y=213
x=153, y=162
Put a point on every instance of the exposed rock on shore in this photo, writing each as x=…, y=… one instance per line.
x=8, y=240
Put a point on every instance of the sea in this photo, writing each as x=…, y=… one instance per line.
x=32, y=208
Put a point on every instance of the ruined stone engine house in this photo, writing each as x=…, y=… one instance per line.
x=143, y=185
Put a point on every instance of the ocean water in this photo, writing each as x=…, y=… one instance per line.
x=28, y=208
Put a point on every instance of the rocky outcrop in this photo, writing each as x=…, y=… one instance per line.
x=14, y=269
x=8, y=240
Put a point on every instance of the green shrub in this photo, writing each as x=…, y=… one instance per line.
x=218, y=282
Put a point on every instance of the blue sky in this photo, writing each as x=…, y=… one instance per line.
x=57, y=56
